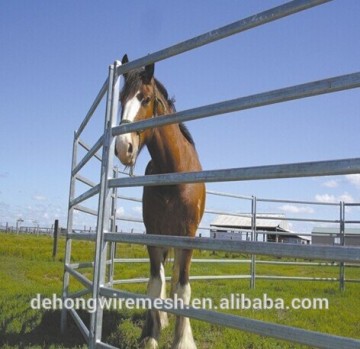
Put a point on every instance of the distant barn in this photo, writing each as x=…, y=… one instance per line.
x=331, y=236
x=269, y=228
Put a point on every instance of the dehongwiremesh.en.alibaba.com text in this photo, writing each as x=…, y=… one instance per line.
x=235, y=301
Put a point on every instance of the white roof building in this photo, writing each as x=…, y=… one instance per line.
x=268, y=221
x=270, y=227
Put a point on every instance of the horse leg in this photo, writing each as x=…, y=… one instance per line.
x=155, y=319
x=181, y=288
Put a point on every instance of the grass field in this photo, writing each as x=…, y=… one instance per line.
x=27, y=269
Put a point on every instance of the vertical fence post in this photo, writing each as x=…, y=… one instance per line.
x=67, y=258
x=253, y=238
x=113, y=229
x=342, y=243
x=56, y=233
x=104, y=206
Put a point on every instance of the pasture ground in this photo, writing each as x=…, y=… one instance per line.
x=27, y=269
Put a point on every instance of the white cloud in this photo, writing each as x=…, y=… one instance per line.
x=354, y=179
x=346, y=198
x=120, y=211
x=39, y=197
x=137, y=209
x=296, y=209
x=331, y=183
x=326, y=198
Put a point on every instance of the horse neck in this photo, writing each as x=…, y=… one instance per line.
x=170, y=150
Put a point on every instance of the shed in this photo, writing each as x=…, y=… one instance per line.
x=331, y=236
x=270, y=227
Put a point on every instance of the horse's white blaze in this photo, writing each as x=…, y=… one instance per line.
x=131, y=108
x=126, y=145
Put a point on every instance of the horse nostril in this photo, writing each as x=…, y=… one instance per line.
x=130, y=148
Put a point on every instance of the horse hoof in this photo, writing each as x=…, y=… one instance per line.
x=149, y=343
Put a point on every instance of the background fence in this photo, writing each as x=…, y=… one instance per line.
x=106, y=192
x=258, y=234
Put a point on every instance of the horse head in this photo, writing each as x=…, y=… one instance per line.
x=139, y=101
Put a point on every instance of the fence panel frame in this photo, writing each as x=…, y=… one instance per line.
x=107, y=186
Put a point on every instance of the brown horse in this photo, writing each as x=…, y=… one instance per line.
x=167, y=210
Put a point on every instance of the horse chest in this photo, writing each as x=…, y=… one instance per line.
x=162, y=200
x=163, y=210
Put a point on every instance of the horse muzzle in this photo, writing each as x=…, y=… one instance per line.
x=126, y=149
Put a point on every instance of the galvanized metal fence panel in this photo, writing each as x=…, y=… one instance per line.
x=106, y=189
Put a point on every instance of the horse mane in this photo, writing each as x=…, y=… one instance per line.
x=171, y=103
x=133, y=83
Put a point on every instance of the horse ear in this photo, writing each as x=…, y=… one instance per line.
x=125, y=59
x=149, y=73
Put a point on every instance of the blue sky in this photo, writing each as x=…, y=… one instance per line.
x=54, y=59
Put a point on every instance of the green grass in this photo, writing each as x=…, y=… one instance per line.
x=27, y=269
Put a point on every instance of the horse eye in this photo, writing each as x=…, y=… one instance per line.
x=146, y=100
x=140, y=96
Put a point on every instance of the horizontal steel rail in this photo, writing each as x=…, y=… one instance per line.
x=85, y=180
x=88, y=148
x=81, y=265
x=207, y=192
x=79, y=294
x=310, y=89
x=242, y=25
x=129, y=198
x=233, y=277
x=236, y=261
x=92, y=109
x=85, y=210
x=295, y=170
x=129, y=219
x=315, y=220
x=302, y=202
x=85, y=196
x=235, y=196
x=295, y=278
x=82, y=236
x=80, y=323
x=192, y=278
x=292, y=334
x=245, y=215
x=88, y=156
x=331, y=253
x=262, y=216
x=80, y=277
x=102, y=345
x=278, y=218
